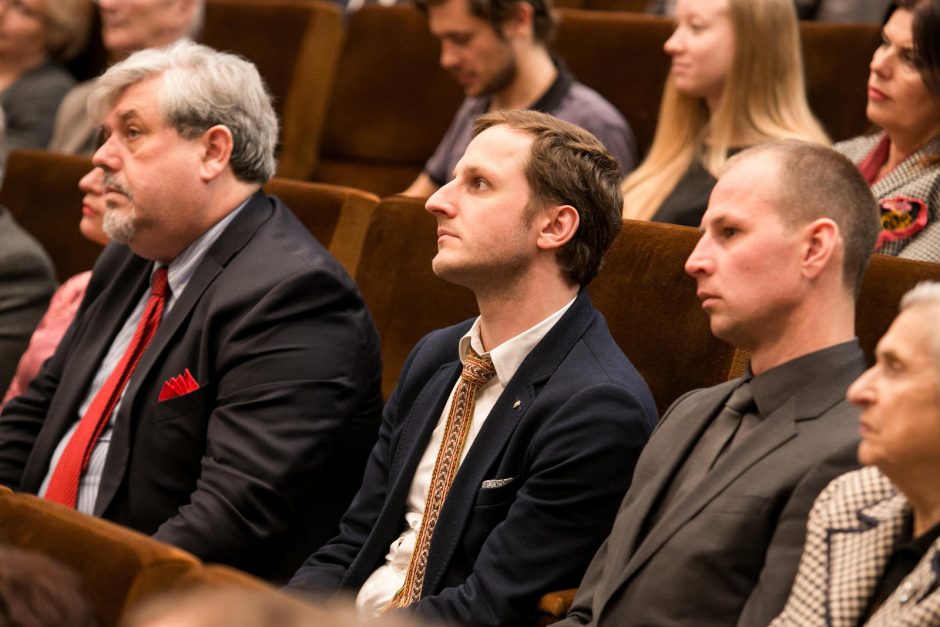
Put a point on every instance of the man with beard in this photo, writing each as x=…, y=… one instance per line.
x=497, y=51
x=219, y=386
x=510, y=438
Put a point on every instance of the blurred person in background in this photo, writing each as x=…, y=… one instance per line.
x=36, y=38
x=68, y=297
x=736, y=81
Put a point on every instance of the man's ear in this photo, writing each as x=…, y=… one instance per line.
x=821, y=241
x=519, y=23
x=558, y=226
x=217, y=151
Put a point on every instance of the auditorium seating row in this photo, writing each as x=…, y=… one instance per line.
x=364, y=104
x=118, y=569
x=387, y=244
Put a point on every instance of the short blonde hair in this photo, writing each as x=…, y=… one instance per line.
x=764, y=98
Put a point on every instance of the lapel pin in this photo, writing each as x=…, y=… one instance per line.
x=517, y=404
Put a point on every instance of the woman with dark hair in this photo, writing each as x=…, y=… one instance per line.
x=902, y=161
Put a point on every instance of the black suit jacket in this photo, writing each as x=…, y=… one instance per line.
x=568, y=450
x=254, y=468
x=727, y=553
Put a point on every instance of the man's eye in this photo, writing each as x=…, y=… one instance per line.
x=728, y=232
x=480, y=183
x=132, y=132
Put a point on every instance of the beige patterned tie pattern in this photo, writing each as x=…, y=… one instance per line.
x=477, y=371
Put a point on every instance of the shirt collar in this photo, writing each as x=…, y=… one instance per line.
x=551, y=99
x=508, y=356
x=774, y=387
x=181, y=269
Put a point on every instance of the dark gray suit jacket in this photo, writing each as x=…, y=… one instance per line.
x=727, y=554
x=27, y=281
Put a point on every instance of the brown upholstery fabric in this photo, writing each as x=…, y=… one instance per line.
x=391, y=102
x=652, y=311
x=621, y=56
x=295, y=46
x=117, y=567
x=337, y=216
x=648, y=300
x=836, y=58
x=885, y=282
x=405, y=297
x=41, y=191
x=220, y=576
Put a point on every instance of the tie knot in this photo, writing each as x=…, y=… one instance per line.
x=477, y=369
x=742, y=399
x=159, y=283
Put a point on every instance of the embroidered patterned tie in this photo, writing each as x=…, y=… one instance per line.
x=477, y=371
x=63, y=485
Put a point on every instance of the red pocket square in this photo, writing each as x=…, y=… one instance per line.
x=178, y=386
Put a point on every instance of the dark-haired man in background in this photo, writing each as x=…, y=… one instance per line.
x=497, y=50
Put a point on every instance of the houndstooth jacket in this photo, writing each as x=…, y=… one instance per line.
x=853, y=529
x=910, y=179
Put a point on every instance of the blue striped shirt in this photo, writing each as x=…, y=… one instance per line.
x=179, y=272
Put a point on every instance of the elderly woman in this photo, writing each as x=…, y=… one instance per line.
x=872, y=554
x=36, y=37
x=736, y=81
x=902, y=162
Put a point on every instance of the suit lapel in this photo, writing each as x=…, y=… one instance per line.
x=774, y=431
x=674, y=438
x=100, y=324
x=406, y=452
x=859, y=553
x=137, y=401
x=489, y=445
x=911, y=167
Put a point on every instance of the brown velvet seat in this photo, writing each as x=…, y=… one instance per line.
x=337, y=216
x=405, y=297
x=118, y=567
x=653, y=313
x=295, y=46
x=642, y=279
x=391, y=102
x=621, y=56
x=41, y=191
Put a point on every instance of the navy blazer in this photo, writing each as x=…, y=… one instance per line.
x=255, y=467
x=566, y=433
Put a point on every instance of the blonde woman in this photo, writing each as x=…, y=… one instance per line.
x=736, y=81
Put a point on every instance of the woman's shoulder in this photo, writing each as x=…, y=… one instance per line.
x=858, y=147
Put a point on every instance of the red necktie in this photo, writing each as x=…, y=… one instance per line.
x=63, y=486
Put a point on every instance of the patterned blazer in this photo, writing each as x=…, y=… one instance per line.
x=853, y=529
x=909, y=192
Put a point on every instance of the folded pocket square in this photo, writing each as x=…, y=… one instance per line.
x=178, y=386
x=496, y=483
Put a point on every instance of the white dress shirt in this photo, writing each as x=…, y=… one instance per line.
x=385, y=581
